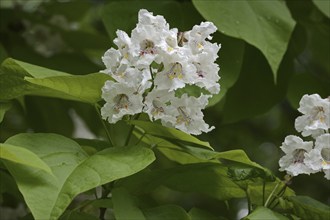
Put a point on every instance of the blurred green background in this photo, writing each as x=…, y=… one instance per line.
x=261, y=87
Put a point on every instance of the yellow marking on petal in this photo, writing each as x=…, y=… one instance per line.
x=169, y=49
x=175, y=71
x=199, y=46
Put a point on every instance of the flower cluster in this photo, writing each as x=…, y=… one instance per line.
x=152, y=65
x=306, y=157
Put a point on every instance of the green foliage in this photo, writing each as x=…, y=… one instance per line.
x=168, y=133
x=308, y=208
x=266, y=26
x=124, y=206
x=162, y=173
x=166, y=212
x=22, y=156
x=4, y=106
x=264, y=213
x=74, y=171
x=45, y=82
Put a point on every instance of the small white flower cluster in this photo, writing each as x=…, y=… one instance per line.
x=149, y=67
x=306, y=157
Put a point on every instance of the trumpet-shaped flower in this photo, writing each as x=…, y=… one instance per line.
x=186, y=114
x=157, y=103
x=177, y=72
x=121, y=99
x=206, y=75
x=316, y=118
x=294, y=159
x=319, y=158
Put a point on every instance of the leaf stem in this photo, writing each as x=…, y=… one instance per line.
x=271, y=194
x=106, y=189
x=263, y=191
x=130, y=132
x=97, y=108
x=249, y=202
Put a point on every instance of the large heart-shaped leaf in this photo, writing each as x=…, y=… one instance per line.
x=74, y=171
x=266, y=25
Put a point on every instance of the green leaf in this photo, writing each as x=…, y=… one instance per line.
x=264, y=214
x=258, y=194
x=179, y=14
x=124, y=205
x=265, y=25
x=171, y=134
x=247, y=98
x=166, y=212
x=46, y=82
x=206, y=178
x=30, y=69
x=23, y=156
x=199, y=214
x=4, y=106
x=308, y=208
x=85, y=88
x=239, y=157
x=230, y=61
x=323, y=5
x=74, y=215
x=37, y=115
x=41, y=81
x=75, y=172
x=301, y=84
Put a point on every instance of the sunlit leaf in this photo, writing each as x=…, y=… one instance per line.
x=85, y=88
x=41, y=81
x=74, y=171
x=22, y=156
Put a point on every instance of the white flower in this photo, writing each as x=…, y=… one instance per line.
x=196, y=39
x=319, y=158
x=206, y=75
x=151, y=36
x=186, y=115
x=124, y=44
x=155, y=55
x=294, y=160
x=176, y=74
x=157, y=102
x=111, y=60
x=121, y=99
x=316, y=118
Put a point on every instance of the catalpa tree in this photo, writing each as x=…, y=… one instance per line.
x=164, y=110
